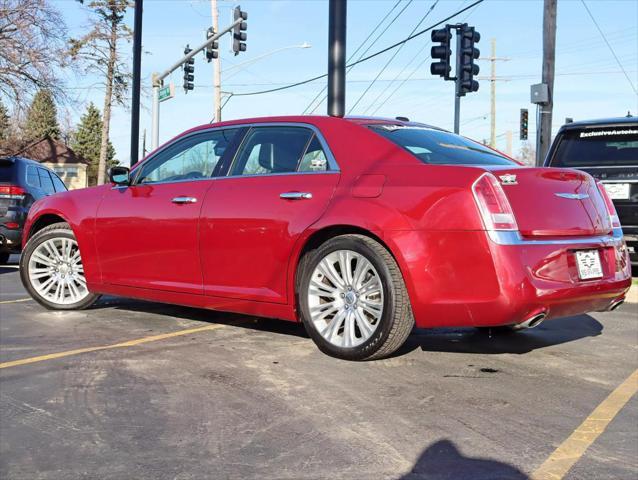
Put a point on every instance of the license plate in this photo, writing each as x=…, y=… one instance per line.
x=617, y=191
x=588, y=262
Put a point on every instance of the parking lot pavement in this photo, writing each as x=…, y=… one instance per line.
x=233, y=397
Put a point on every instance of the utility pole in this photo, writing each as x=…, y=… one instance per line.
x=549, y=55
x=137, y=66
x=493, y=79
x=217, y=68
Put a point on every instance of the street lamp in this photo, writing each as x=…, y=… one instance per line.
x=263, y=55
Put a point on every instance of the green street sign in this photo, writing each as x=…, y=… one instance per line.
x=166, y=92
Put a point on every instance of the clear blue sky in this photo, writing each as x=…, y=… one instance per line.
x=589, y=82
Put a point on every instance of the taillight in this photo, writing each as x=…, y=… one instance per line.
x=11, y=191
x=494, y=206
x=611, y=209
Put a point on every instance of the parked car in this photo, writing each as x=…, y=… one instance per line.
x=607, y=150
x=22, y=182
x=357, y=227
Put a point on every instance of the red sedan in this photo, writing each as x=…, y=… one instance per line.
x=359, y=228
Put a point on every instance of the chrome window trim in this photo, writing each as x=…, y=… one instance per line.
x=502, y=237
x=333, y=166
x=618, y=181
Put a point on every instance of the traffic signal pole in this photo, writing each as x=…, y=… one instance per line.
x=217, y=68
x=158, y=79
x=457, y=84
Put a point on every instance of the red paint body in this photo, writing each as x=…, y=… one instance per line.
x=237, y=248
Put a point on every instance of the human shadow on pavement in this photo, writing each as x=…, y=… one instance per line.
x=470, y=340
x=443, y=461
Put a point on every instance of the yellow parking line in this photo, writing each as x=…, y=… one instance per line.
x=16, y=301
x=572, y=449
x=130, y=343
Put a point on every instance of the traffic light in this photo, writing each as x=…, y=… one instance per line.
x=523, y=126
x=211, y=50
x=239, y=30
x=468, y=53
x=442, y=52
x=189, y=70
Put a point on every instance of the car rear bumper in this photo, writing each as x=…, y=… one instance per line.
x=469, y=278
x=10, y=239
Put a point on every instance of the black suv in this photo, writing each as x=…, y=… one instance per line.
x=608, y=150
x=22, y=182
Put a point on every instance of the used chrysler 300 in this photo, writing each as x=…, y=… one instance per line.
x=357, y=227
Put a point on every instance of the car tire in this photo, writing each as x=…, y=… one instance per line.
x=4, y=258
x=51, y=269
x=358, y=312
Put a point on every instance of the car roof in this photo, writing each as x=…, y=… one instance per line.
x=14, y=159
x=316, y=120
x=600, y=122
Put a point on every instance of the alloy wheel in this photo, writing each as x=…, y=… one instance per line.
x=345, y=298
x=56, y=273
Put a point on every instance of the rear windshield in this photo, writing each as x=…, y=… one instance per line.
x=600, y=147
x=440, y=148
x=6, y=170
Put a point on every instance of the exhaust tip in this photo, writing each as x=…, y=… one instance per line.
x=534, y=321
x=615, y=304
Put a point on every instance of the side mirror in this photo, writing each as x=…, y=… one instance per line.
x=119, y=175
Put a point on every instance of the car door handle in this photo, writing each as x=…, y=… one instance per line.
x=182, y=200
x=296, y=195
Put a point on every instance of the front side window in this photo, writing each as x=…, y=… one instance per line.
x=267, y=150
x=190, y=159
x=437, y=147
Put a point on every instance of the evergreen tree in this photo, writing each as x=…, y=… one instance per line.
x=42, y=117
x=87, y=140
x=4, y=123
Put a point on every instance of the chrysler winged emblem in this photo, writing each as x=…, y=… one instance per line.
x=573, y=196
x=508, y=179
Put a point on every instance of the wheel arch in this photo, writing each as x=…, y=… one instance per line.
x=321, y=235
x=41, y=222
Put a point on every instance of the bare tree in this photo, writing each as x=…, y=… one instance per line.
x=98, y=51
x=32, y=47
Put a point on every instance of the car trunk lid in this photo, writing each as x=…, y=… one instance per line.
x=554, y=202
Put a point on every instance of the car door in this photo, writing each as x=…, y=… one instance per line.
x=280, y=182
x=147, y=233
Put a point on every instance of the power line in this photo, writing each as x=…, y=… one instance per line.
x=391, y=58
x=398, y=76
x=610, y=47
x=365, y=59
x=416, y=69
x=325, y=87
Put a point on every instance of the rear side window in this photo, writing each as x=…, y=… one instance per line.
x=33, y=178
x=440, y=148
x=597, y=147
x=268, y=150
x=58, y=184
x=45, y=181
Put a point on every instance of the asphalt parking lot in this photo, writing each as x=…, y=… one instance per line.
x=131, y=390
